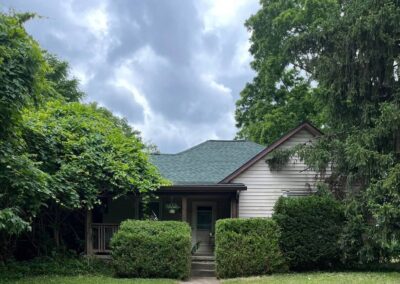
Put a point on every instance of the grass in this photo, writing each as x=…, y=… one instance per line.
x=323, y=277
x=66, y=270
x=86, y=279
x=293, y=278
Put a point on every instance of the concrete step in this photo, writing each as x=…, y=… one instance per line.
x=201, y=265
x=203, y=273
x=203, y=258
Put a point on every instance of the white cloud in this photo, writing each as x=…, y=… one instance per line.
x=155, y=127
x=221, y=13
x=82, y=74
x=218, y=87
x=242, y=56
x=97, y=21
x=173, y=68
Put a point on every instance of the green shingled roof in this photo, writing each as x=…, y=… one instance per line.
x=207, y=163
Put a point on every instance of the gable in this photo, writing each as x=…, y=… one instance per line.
x=297, y=135
x=265, y=186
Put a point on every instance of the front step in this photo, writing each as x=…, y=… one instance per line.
x=197, y=257
x=203, y=266
x=203, y=273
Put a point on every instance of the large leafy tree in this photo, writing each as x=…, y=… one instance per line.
x=87, y=153
x=29, y=76
x=357, y=52
x=282, y=94
x=22, y=76
x=351, y=50
x=57, y=155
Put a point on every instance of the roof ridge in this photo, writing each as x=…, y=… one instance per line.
x=209, y=140
x=191, y=148
x=228, y=140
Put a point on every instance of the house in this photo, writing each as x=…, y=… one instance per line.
x=213, y=180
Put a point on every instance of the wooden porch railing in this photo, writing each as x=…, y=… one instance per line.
x=102, y=234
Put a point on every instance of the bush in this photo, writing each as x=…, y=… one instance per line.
x=247, y=247
x=148, y=249
x=310, y=231
x=57, y=265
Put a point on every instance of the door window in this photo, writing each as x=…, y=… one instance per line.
x=204, y=217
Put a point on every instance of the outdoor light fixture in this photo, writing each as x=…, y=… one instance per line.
x=172, y=207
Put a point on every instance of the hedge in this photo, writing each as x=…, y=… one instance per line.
x=152, y=249
x=246, y=247
x=59, y=265
x=310, y=231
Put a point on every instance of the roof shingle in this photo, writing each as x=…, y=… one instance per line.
x=207, y=163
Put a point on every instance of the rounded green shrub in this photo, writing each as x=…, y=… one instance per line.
x=158, y=249
x=246, y=247
x=310, y=231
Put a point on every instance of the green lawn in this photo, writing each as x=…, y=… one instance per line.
x=324, y=277
x=86, y=280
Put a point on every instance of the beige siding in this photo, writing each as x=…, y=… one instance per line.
x=264, y=187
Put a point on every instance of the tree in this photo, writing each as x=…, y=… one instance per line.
x=351, y=50
x=87, y=153
x=57, y=156
x=59, y=78
x=22, y=76
x=282, y=95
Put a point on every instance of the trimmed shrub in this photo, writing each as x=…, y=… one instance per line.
x=148, y=249
x=246, y=247
x=310, y=231
x=58, y=265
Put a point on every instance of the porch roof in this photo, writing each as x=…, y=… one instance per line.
x=210, y=188
x=207, y=163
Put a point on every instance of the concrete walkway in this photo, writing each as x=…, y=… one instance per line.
x=201, y=280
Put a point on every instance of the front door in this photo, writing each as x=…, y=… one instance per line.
x=203, y=227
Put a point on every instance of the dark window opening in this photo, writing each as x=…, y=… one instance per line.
x=204, y=217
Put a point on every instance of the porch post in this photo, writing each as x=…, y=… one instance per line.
x=184, y=209
x=88, y=233
x=234, y=211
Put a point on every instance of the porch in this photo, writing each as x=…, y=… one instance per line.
x=201, y=206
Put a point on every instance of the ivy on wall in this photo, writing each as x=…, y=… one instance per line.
x=279, y=159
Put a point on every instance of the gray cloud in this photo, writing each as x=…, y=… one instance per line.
x=173, y=68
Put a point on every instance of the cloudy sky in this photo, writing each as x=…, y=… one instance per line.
x=173, y=68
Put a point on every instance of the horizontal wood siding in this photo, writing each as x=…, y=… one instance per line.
x=264, y=187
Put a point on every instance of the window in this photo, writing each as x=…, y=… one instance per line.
x=204, y=218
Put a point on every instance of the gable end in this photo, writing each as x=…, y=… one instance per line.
x=304, y=126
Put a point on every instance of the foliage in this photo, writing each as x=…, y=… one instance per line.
x=22, y=72
x=279, y=159
x=247, y=247
x=311, y=228
x=282, y=95
x=350, y=50
x=152, y=249
x=87, y=152
x=55, y=265
x=29, y=77
x=22, y=75
x=58, y=77
x=56, y=157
